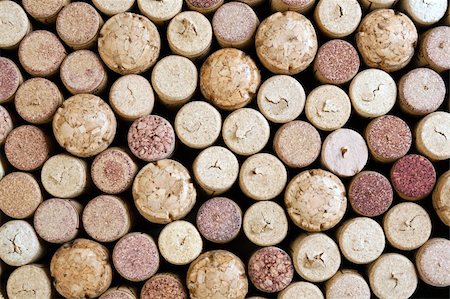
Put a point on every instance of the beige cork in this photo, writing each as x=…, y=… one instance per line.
x=198, y=124
x=433, y=136
x=377, y=4
x=433, y=262
x=204, y=6
x=301, y=289
x=229, y=79
x=434, y=49
x=120, y=292
x=10, y=79
x=337, y=18
x=3, y=167
x=113, y=7
x=265, y=223
x=45, y=11
x=301, y=6
x=217, y=268
x=163, y=191
x=347, y=284
x=424, y=13
x=316, y=257
x=386, y=39
x=29, y=281
x=392, y=275
x=160, y=11
x=286, y=43
x=281, y=98
x=6, y=124
x=84, y=125
x=441, y=198
x=407, y=226
x=116, y=38
x=14, y=26
x=361, y=240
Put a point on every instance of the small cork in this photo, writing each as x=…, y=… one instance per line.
x=413, y=177
x=219, y=220
x=392, y=275
x=81, y=269
x=373, y=93
x=44, y=11
x=386, y=39
x=337, y=18
x=301, y=289
x=116, y=38
x=6, y=124
x=160, y=11
x=301, y=6
x=407, y=226
x=163, y=286
x=316, y=257
x=111, y=8
x=217, y=268
x=433, y=262
x=216, y=169
x=113, y=171
x=84, y=125
x=174, y=79
x=423, y=13
x=163, y=191
x=135, y=257
x=29, y=281
x=286, y=43
x=204, y=6
x=245, y=131
x=229, y=79
x=14, y=26
x=441, y=198
x=433, y=136
x=265, y=223
x=120, y=292
x=10, y=78
x=361, y=240
x=377, y=4
x=347, y=284
x=434, y=49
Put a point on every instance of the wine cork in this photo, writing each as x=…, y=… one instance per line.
x=433, y=49
x=388, y=138
x=116, y=38
x=163, y=286
x=422, y=13
x=45, y=11
x=377, y=4
x=57, y=220
x=113, y=171
x=20, y=194
x=174, y=79
x=219, y=220
x=337, y=19
x=347, y=284
x=180, y=243
x=286, y=43
x=301, y=6
x=29, y=280
x=432, y=261
x=301, y=289
x=120, y=292
x=160, y=11
x=407, y=226
x=229, y=79
x=81, y=269
x=316, y=257
x=41, y=53
x=135, y=257
x=361, y=240
x=281, y=98
x=106, y=218
x=189, y=34
x=328, y=107
x=111, y=7
x=65, y=176
x=222, y=268
x=84, y=125
x=6, y=124
x=441, y=198
x=163, y=191
x=245, y=131
x=386, y=39
x=20, y=244
x=131, y=97
x=3, y=168
x=10, y=78
x=14, y=26
x=392, y=276
x=216, y=169
x=265, y=223
x=413, y=177
x=204, y=6
x=433, y=136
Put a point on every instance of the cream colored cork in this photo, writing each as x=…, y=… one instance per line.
x=14, y=26
x=180, y=243
x=204, y=6
x=434, y=49
x=216, y=169
x=347, y=284
x=198, y=124
x=361, y=240
x=315, y=200
x=328, y=107
x=10, y=79
x=433, y=136
x=6, y=124
x=45, y=11
x=116, y=38
x=286, y=43
x=113, y=7
x=301, y=289
x=424, y=13
x=265, y=223
x=160, y=11
x=217, y=268
x=392, y=275
x=120, y=292
x=316, y=257
x=29, y=281
x=337, y=18
x=407, y=226
x=433, y=262
x=301, y=6
x=441, y=198
x=377, y=4
x=163, y=191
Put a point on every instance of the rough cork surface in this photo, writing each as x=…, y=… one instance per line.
x=44, y=10
x=433, y=262
x=160, y=11
x=376, y=4
x=10, y=79
x=347, y=284
x=6, y=124
x=434, y=48
x=337, y=18
x=301, y=289
x=425, y=13
x=204, y=6
x=30, y=281
x=301, y=6
x=14, y=25
x=163, y=286
x=433, y=136
x=441, y=198
x=111, y=7
x=120, y=292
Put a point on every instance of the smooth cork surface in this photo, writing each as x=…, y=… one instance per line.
x=10, y=79
x=434, y=50
x=160, y=11
x=45, y=11
x=301, y=6
x=337, y=18
x=6, y=124
x=14, y=26
x=433, y=136
x=441, y=198
x=433, y=262
x=424, y=13
x=113, y=7
x=163, y=286
x=301, y=289
x=29, y=279
x=347, y=284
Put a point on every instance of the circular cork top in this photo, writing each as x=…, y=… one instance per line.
x=413, y=177
x=441, y=198
x=204, y=6
x=436, y=47
x=423, y=13
x=301, y=289
x=315, y=200
x=347, y=284
x=14, y=25
x=386, y=39
x=116, y=38
x=160, y=11
x=43, y=10
x=135, y=257
x=163, y=191
x=120, y=292
x=41, y=53
x=84, y=125
x=433, y=135
x=6, y=124
x=328, y=107
x=163, y=286
x=219, y=220
x=29, y=279
x=337, y=18
x=10, y=78
x=224, y=268
x=286, y=43
x=229, y=78
x=112, y=7
x=81, y=269
x=433, y=262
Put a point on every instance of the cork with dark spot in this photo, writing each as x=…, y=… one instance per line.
x=10, y=79
x=433, y=262
x=120, y=292
x=301, y=6
x=204, y=6
x=6, y=124
x=434, y=49
x=163, y=286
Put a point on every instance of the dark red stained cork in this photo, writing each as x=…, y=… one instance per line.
x=163, y=286
x=370, y=193
x=413, y=177
x=203, y=3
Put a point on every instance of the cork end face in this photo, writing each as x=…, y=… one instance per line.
x=6, y=124
x=432, y=261
x=10, y=79
x=163, y=286
x=437, y=47
x=29, y=279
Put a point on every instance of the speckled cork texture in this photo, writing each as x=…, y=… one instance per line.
x=44, y=11
x=432, y=262
x=423, y=13
x=163, y=286
x=441, y=198
x=434, y=50
x=120, y=292
x=337, y=18
x=10, y=79
x=301, y=6
x=302, y=289
x=347, y=284
x=160, y=11
x=29, y=279
x=14, y=26
x=204, y=6
x=377, y=4
x=6, y=124
x=111, y=7
x=433, y=136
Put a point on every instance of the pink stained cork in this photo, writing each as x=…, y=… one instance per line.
x=433, y=262
x=6, y=124
x=163, y=286
x=10, y=79
x=434, y=49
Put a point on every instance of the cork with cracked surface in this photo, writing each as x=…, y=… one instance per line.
x=29, y=281
x=338, y=18
x=433, y=135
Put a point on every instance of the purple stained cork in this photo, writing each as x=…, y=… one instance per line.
x=10, y=79
x=163, y=286
x=6, y=124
